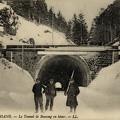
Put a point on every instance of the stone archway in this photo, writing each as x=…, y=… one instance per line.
x=60, y=67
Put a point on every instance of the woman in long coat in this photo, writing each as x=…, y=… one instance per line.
x=72, y=92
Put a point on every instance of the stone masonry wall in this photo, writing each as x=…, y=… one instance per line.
x=31, y=58
x=98, y=61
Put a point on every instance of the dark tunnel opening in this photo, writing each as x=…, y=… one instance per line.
x=60, y=68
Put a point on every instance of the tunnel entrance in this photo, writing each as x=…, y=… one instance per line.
x=60, y=68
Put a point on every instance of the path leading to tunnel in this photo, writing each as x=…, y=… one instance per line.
x=61, y=111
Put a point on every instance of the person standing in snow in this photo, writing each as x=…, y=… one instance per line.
x=50, y=93
x=72, y=92
x=38, y=98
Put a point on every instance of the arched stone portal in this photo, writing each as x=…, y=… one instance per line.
x=60, y=68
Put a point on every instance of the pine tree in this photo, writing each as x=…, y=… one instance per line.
x=83, y=29
x=61, y=22
x=50, y=16
x=41, y=11
x=107, y=24
x=22, y=7
x=9, y=20
x=79, y=30
x=69, y=30
x=92, y=34
x=75, y=30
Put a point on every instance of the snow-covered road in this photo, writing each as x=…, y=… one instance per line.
x=100, y=100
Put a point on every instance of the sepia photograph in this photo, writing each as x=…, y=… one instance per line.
x=59, y=59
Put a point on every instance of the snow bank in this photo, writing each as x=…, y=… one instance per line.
x=104, y=92
x=108, y=80
x=15, y=87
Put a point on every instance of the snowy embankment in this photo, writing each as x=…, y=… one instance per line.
x=105, y=89
x=102, y=96
x=15, y=87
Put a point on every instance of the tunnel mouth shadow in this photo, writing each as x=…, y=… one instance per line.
x=60, y=68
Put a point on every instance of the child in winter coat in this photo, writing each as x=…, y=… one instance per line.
x=72, y=93
x=50, y=93
x=38, y=98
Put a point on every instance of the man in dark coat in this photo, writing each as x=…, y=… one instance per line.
x=38, y=98
x=72, y=92
x=50, y=93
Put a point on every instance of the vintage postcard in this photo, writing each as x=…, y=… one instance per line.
x=59, y=59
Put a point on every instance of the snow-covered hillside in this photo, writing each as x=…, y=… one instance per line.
x=43, y=35
x=99, y=100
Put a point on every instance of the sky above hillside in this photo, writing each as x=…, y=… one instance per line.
x=90, y=8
